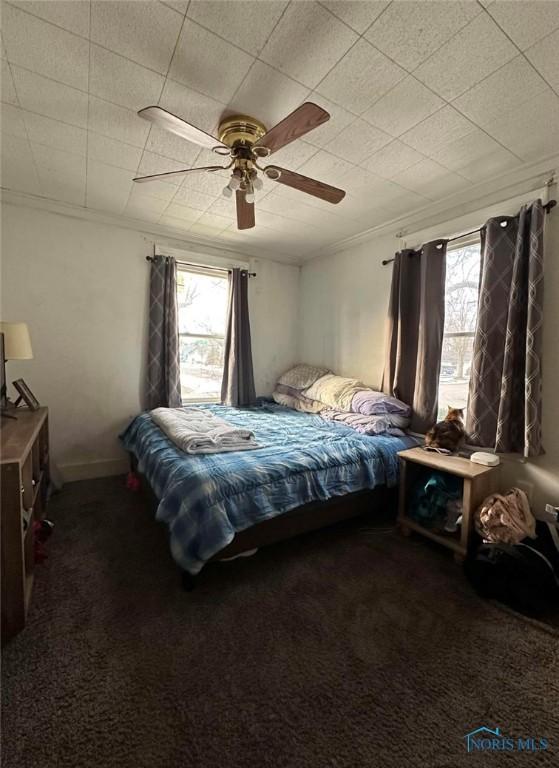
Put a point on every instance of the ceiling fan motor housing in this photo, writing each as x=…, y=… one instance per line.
x=240, y=131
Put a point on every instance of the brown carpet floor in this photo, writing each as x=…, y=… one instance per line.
x=345, y=648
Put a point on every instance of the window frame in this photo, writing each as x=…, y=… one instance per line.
x=195, y=269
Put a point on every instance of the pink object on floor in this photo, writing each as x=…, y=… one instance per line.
x=132, y=481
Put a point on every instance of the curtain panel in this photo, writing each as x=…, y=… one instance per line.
x=237, y=386
x=163, y=369
x=415, y=331
x=504, y=409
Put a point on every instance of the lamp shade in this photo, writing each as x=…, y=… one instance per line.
x=17, y=344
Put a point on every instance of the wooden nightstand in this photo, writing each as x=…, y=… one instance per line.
x=478, y=482
x=25, y=478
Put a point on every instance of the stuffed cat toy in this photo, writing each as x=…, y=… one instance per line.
x=449, y=433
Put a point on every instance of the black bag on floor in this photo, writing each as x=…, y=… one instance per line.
x=524, y=576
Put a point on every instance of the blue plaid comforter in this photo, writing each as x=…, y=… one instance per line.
x=205, y=500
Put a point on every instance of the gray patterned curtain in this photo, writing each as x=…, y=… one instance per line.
x=415, y=331
x=237, y=387
x=163, y=375
x=504, y=409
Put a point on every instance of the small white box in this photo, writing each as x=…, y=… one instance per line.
x=488, y=459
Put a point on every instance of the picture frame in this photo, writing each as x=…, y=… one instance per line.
x=26, y=395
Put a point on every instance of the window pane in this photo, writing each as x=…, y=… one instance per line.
x=201, y=367
x=461, y=295
x=455, y=373
x=462, y=279
x=202, y=301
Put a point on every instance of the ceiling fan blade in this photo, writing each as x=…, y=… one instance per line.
x=304, y=184
x=176, y=125
x=170, y=174
x=245, y=211
x=301, y=121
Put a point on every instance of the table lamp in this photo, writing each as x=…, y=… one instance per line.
x=15, y=344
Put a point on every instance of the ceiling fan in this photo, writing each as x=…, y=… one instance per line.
x=245, y=140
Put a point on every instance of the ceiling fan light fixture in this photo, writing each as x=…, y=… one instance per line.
x=235, y=182
x=257, y=183
x=227, y=191
x=249, y=196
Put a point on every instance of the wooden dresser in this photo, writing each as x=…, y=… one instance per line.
x=24, y=459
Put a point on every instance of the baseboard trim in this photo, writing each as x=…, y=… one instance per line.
x=104, y=468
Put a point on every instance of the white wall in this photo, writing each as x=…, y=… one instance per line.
x=344, y=302
x=82, y=287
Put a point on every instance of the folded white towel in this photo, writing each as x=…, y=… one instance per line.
x=195, y=430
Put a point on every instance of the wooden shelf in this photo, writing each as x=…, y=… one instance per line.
x=24, y=483
x=478, y=481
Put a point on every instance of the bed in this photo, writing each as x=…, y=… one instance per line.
x=307, y=473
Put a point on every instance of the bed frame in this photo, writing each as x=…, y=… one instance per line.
x=309, y=517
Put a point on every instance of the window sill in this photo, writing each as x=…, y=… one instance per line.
x=202, y=401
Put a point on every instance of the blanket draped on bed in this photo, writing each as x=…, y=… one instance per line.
x=196, y=430
x=206, y=499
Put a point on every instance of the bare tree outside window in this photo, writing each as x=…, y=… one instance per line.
x=202, y=306
x=461, y=299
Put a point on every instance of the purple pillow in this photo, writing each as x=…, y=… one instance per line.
x=372, y=403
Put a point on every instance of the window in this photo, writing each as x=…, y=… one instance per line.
x=461, y=297
x=202, y=304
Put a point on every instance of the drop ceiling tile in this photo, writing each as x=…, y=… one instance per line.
x=268, y=95
x=526, y=22
x=244, y=22
x=545, y=57
x=8, y=91
x=407, y=104
x=292, y=47
x=18, y=167
x=198, y=201
x=178, y=5
x=43, y=48
x=477, y=51
x=533, y=132
x=471, y=149
x=49, y=98
x=292, y=156
x=158, y=189
x=11, y=121
x=152, y=164
x=409, y=32
x=117, y=122
x=203, y=230
x=113, y=152
x=61, y=174
x=209, y=183
x=175, y=223
x=144, y=207
x=68, y=14
x=208, y=64
x=360, y=78
x=108, y=188
x=430, y=180
x=392, y=159
x=213, y=220
x=121, y=81
x=499, y=161
x=167, y=144
x=339, y=119
x=195, y=108
x=182, y=212
x=223, y=206
x=326, y=167
x=143, y=31
x=444, y=126
x=358, y=14
x=358, y=141
x=53, y=133
x=493, y=97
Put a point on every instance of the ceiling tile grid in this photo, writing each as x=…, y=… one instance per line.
x=426, y=99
